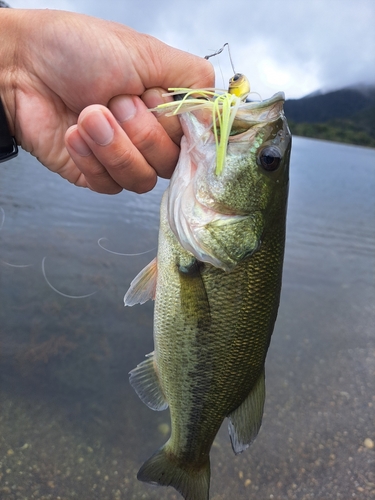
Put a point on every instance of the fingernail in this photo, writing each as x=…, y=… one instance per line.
x=123, y=108
x=78, y=144
x=98, y=128
x=153, y=98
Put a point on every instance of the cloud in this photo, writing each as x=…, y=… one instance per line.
x=310, y=44
x=69, y=5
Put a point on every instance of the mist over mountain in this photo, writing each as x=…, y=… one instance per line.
x=344, y=115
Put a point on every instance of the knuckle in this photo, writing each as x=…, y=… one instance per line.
x=129, y=169
x=121, y=157
x=147, y=138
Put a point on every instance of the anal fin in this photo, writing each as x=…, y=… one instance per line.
x=245, y=421
x=145, y=381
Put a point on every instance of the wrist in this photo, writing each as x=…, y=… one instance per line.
x=10, y=41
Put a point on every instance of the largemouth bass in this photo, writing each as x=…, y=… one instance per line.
x=216, y=282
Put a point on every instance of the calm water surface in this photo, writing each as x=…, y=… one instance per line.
x=70, y=425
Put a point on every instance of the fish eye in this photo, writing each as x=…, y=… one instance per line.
x=236, y=77
x=269, y=158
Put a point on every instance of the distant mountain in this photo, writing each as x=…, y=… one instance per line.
x=346, y=115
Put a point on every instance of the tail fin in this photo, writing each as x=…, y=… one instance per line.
x=192, y=484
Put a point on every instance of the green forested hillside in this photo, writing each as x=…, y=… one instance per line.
x=346, y=115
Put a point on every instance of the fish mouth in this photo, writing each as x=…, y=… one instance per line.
x=259, y=112
x=279, y=96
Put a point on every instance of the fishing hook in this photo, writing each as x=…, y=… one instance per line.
x=219, y=52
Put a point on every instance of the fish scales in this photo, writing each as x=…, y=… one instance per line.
x=217, y=365
x=216, y=286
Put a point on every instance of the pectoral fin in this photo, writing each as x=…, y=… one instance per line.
x=145, y=381
x=143, y=286
x=245, y=421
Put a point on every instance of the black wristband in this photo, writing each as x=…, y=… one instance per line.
x=8, y=145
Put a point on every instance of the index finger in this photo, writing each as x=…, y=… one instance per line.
x=152, y=98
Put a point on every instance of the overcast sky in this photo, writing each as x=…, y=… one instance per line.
x=298, y=46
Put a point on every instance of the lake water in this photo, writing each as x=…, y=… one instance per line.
x=71, y=427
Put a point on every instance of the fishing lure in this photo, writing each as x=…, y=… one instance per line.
x=223, y=104
x=238, y=85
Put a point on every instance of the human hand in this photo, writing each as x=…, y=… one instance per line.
x=76, y=91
